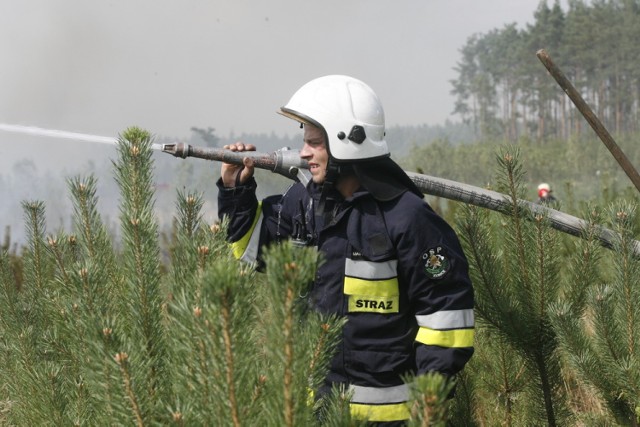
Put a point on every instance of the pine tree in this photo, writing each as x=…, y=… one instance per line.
x=514, y=287
x=101, y=333
x=106, y=331
x=599, y=332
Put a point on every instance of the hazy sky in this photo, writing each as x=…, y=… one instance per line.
x=97, y=67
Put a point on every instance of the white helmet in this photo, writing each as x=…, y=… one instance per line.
x=348, y=110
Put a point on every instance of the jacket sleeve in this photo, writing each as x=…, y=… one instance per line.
x=252, y=224
x=435, y=268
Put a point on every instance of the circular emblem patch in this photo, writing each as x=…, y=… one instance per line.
x=436, y=264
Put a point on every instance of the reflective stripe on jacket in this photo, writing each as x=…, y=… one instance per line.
x=395, y=269
x=379, y=404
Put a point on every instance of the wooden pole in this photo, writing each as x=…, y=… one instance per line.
x=590, y=116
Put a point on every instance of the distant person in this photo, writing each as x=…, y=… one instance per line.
x=544, y=194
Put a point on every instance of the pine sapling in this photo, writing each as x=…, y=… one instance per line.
x=600, y=342
x=516, y=276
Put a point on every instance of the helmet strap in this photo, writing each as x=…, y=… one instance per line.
x=331, y=177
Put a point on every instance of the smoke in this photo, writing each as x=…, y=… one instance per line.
x=27, y=176
x=100, y=67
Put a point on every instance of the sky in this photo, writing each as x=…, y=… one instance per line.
x=100, y=67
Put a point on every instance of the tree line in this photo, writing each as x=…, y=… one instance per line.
x=504, y=91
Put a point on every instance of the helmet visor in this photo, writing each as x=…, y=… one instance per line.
x=298, y=117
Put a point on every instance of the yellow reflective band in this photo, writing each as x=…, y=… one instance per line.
x=369, y=304
x=311, y=397
x=454, y=338
x=240, y=246
x=372, y=288
x=380, y=413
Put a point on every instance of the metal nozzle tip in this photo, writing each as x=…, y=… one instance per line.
x=177, y=149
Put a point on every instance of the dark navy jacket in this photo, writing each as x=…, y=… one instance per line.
x=395, y=269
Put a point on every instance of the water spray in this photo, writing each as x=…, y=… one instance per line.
x=52, y=133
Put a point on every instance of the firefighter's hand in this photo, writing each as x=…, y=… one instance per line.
x=233, y=175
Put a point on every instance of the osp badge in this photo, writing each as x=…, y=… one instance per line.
x=436, y=264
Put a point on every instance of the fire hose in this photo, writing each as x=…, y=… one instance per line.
x=287, y=162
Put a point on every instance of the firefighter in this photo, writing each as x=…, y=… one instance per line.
x=544, y=194
x=392, y=266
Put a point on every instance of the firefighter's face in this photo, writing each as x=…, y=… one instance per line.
x=315, y=152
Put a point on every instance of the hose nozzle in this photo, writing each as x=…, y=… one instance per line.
x=285, y=162
x=178, y=149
